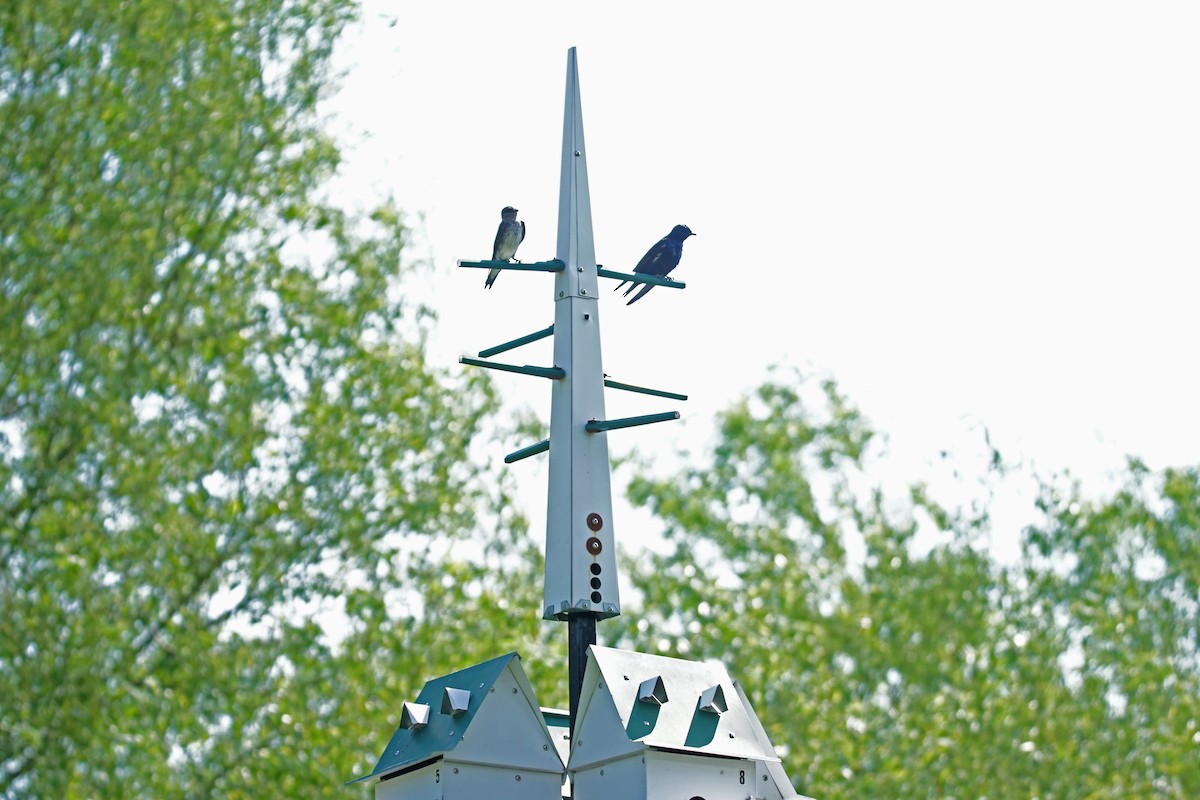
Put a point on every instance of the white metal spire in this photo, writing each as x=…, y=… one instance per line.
x=581, y=570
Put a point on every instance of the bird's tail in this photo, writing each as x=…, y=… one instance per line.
x=491, y=278
x=619, y=285
x=640, y=294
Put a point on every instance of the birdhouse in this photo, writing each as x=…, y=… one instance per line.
x=663, y=728
x=474, y=733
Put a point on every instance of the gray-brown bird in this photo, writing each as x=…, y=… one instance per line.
x=509, y=236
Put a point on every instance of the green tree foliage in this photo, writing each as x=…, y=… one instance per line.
x=215, y=418
x=1120, y=583
x=929, y=670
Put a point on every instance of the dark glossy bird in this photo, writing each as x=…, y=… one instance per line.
x=509, y=236
x=659, y=260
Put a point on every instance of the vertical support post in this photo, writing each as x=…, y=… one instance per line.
x=581, y=634
x=581, y=566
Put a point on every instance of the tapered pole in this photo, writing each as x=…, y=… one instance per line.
x=581, y=567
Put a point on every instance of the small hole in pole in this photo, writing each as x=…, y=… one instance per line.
x=595, y=597
x=595, y=569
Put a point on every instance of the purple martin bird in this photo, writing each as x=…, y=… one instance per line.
x=659, y=260
x=509, y=236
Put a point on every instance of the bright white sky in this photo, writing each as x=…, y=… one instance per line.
x=970, y=214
